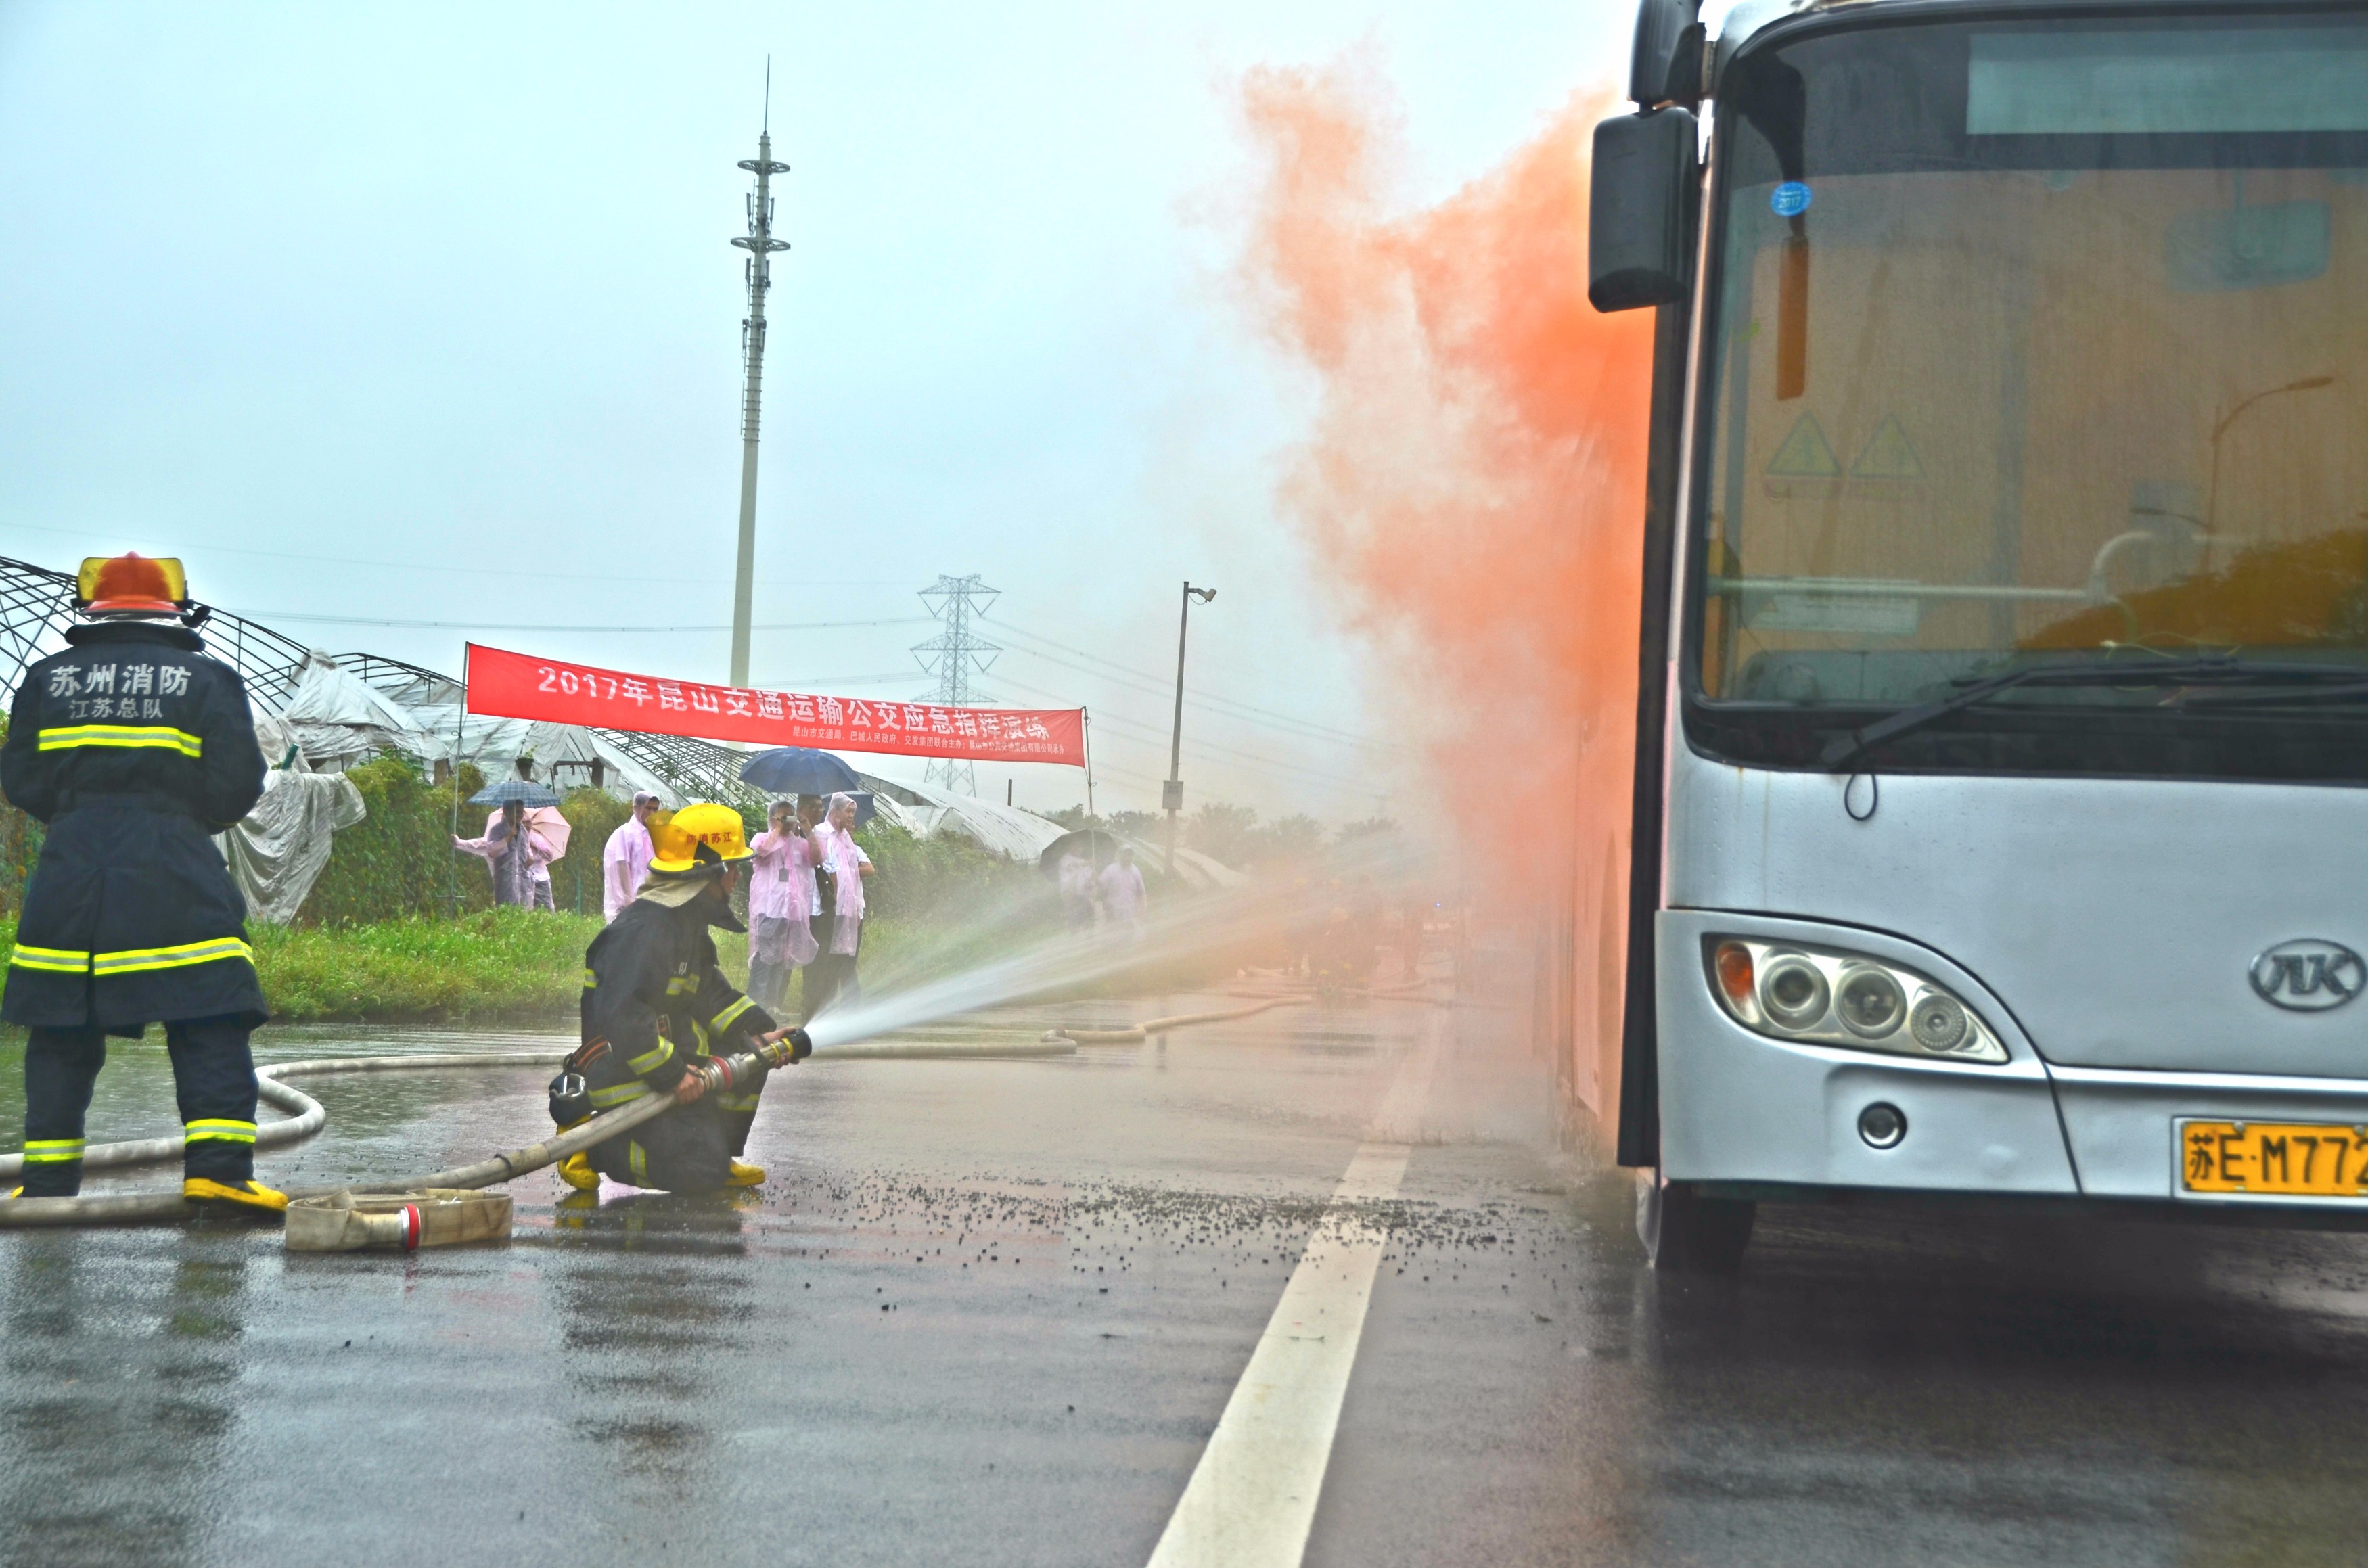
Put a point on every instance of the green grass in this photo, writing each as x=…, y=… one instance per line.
x=497, y=964
x=508, y=965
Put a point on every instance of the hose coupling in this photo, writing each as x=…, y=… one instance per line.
x=570, y=1101
x=715, y=1071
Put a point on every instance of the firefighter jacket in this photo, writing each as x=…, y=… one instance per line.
x=653, y=991
x=135, y=748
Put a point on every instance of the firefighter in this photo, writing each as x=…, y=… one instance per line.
x=135, y=748
x=658, y=1017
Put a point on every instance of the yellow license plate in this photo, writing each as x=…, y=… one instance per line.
x=2283, y=1159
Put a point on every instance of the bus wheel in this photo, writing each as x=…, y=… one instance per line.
x=1686, y=1233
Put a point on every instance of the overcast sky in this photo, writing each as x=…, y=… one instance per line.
x=405, y=325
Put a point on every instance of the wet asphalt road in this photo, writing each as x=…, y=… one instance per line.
x=988, y=1313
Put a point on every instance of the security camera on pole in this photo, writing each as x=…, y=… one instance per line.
x=1171, y=793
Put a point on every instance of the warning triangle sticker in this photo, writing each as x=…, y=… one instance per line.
x=1805, y=453
x=1888, y=455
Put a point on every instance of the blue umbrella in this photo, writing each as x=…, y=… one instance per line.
x=799, y=770
x=524, y=792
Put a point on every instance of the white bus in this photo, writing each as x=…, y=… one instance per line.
x=2005, y=721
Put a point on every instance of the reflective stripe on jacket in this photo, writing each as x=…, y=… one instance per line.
x=134, y=747
x=653, y=990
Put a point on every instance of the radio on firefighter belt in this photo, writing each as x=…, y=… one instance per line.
x=571, y=1098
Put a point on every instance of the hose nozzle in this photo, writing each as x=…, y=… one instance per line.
x=794, y=1046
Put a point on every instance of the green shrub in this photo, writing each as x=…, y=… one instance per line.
x=399, y=860
x=592, y=815
x=20, y=847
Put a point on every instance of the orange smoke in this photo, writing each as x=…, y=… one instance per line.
x=1476, y=480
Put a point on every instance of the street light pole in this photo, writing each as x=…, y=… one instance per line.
x=1171, y=793
x=2212, y=496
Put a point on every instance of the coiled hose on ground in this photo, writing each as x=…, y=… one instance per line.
x=307, y=1117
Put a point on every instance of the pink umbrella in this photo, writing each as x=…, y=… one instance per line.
x=550, y=828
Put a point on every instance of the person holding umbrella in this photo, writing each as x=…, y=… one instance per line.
x=811, y=810
x=511, y=851
x=550, y=830
x=780, y=894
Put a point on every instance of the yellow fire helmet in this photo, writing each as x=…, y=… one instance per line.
x=697, y=839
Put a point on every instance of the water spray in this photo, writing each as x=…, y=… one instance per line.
x=848, y=1033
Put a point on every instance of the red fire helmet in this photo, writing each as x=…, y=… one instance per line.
x=131, y=584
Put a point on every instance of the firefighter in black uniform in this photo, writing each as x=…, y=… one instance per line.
x=135, y=748
x=658, y=1017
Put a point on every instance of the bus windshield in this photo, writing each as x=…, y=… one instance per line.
x=2031, y=342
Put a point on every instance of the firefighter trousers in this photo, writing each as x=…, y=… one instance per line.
x=213, y=1078
x=689, y=1149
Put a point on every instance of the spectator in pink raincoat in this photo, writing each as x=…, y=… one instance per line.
x=780, y=893
x=512, y=852
x=626, y=857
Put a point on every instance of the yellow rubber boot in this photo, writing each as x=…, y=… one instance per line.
x=745, y=1175
x=576, y=1172
x=249, y=1196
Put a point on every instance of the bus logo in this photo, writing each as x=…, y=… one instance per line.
x=2308, y=976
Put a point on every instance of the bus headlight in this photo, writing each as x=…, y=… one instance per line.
x=1793, y=992
x=1870, y=1003
x=1821, y=996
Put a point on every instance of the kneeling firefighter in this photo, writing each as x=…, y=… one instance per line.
x=135, y=747
x=659, y=1017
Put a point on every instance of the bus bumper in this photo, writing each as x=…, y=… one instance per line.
x=2123, y=1124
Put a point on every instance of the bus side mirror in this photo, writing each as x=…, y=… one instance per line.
x=1665, y=66
x=1640, y=210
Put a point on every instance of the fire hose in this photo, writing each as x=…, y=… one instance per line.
x=1151, y=1027
x=137, y=1208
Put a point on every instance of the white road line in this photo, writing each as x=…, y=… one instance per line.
x=1251, y=1500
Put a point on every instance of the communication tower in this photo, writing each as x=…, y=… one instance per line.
x=953, y=655
x=760, y=245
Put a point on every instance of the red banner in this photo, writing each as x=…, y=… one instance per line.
x=504, y=685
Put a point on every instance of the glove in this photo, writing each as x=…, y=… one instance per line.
x=700, y=1077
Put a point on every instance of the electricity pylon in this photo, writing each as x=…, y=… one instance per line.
x=953, y=655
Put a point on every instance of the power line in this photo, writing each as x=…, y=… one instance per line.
x=1301, y=731
x=1212, y=751
x=549, y=626
x=1208, y=702
x=436, y=566
x=1134, y=732
x=822, y=683
x=1160, y=682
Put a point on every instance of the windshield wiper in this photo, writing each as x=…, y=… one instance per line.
x=2352, y=689
x=2220, y=670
